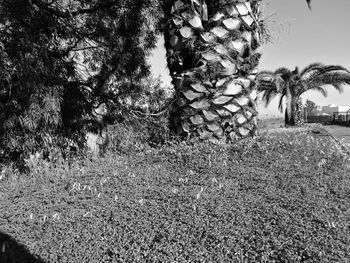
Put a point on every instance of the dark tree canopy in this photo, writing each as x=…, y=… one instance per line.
x=61, y=58
x=310, y=106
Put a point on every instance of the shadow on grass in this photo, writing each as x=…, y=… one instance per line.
x=13, y=252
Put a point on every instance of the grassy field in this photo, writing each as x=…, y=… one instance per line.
x=283, y=196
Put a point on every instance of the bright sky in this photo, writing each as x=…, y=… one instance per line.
x=300, y=37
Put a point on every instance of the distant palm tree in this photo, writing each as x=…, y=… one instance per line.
x=292, y=84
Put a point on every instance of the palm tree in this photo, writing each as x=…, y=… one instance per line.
x=292, y=84
x=212, y=57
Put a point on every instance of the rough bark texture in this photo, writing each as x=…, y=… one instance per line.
x=212, y=56
x=294, y=114
x=299, y=117
x=290, y=108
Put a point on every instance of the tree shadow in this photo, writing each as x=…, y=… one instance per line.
x=13, y=252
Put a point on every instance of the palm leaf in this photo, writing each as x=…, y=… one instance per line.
x=280, y=104
x=308, y=3
x=265, y=80
x=282, y=71
x=335, y=79
x=310, y=69
x=268, y=96
x=320, y=71
x=265, y=72
x=266, y=85
x=320, y=89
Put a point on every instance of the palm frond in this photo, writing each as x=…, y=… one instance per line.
x=268, y=96
x=335, y=79
x=338, y=87
x=334, y=68
x=265, y=76
x=302, y=88
x=308, y=3
x=265, y=72
x=266, y=86
x=320, y=71
x=280, y=104
x=310, y=67
x=265, y=80
x=282, y=83
x=320, y=89
x=283, y=71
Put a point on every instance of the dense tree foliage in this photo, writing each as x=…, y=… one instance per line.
x=310, y=106
x=59, y=59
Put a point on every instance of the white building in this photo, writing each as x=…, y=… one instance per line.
x=334, y=108
x=329, y=110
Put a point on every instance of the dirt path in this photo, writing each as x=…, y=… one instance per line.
x=340, y=133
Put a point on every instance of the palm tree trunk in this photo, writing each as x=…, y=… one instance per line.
x=290, y=109
x=212, y=56
x=300, y=112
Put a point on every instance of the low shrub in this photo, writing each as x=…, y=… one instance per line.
x=138, y=134
x=281, y=197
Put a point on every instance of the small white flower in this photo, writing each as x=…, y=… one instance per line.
x=56, y=216
x=200, y=193
x=87, y=214
x=322, y=163
x=76, y=186
x=175, y=190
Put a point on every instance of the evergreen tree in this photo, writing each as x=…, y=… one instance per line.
x=60, y=59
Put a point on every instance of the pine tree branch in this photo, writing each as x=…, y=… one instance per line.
x=94, y=9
